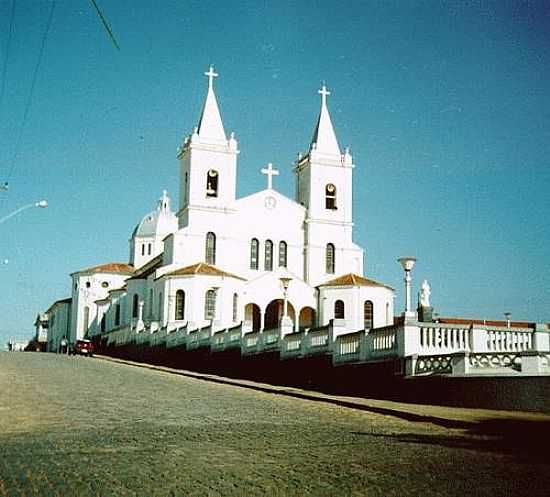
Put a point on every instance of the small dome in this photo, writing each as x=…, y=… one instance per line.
x=161, y=222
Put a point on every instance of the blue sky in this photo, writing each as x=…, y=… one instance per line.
x=445, y=106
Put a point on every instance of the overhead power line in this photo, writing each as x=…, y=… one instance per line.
x=5, y=68
x=106, y=25
x=31, y=92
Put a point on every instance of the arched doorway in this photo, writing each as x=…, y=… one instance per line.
x=307, y=318
x=253, y=315
x=274, y=313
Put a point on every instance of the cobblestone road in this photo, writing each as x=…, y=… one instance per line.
x=73, y=426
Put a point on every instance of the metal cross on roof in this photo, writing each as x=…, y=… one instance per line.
x=270, y=172
x=211, y=75
x=324, y=94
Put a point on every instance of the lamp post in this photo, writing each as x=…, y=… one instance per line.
x=407, y=263
x=286, y=322
x=213, y=315
x=42, y=204
x=508, y=315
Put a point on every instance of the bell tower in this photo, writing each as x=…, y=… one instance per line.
x=208, y=164
x=324, y=186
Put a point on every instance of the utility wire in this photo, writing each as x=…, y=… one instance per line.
x=106, y=25
x=29, y=100
x=5, y=69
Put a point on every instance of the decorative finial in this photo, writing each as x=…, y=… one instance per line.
x=324, y=94
x=211, y=75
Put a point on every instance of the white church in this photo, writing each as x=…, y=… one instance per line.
x=267, y=273
x=265, y=260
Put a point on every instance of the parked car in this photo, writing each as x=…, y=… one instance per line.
x=84, y=347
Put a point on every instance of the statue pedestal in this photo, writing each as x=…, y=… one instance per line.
x=425, y=314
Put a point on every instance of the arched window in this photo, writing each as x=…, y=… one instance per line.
x=143, y=249
x=135, y=304
x=339, y=310
x=212, y=183
x=210, y=248
x=254, y=252
x=268, y=256
x=151, y=302
x=368, y=318
x=148, y=249
x=102, y=323
x=235, y=307
x=282, y=254
x=180, y=305
x=210, y=304
x=117, y=315
x=330, y=259
x=330, y=197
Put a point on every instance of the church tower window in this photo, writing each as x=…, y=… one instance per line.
x=212, y=183
x=368, y=310
x=282, y=254
x=339, y=309
x=268, y=259
x=235, y=306
x=210, y=304
x=148, y=249
x=330, y=259
x=330, y=197
x=210, y=250
x=135, y=306
x=254, y=251
x=180, y=305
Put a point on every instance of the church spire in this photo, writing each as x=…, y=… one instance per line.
x=210, y=124
x=324, y=138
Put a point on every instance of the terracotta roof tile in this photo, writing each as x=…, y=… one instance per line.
x=202, y=268
x=351, y=279
x=110, y=267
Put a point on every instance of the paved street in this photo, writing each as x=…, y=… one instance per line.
x=72, y=426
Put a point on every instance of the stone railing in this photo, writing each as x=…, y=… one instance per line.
x=382, y=342
x=270, y=339
x=509, y=340
x=317, y=341
x=349, y=347
x=291, y=345
x=443, y=339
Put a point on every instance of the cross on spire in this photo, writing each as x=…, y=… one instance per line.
x=270, y=172
x=211, y=75
x=324, y=94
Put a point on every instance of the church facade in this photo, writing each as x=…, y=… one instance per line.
x=264, y=260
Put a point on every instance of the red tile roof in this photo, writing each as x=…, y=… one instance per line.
x=351, y=279
x=110, y=267
x=486, y=322
x=202, y=268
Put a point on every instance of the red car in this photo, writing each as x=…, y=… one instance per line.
x=84, y=347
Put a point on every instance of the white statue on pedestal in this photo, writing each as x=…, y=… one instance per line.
x=425, y=293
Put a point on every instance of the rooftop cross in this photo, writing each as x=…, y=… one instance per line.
x=324, y=93
x=270, y=172
x=211, y=75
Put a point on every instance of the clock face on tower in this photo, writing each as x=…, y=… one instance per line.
x=270, y=202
